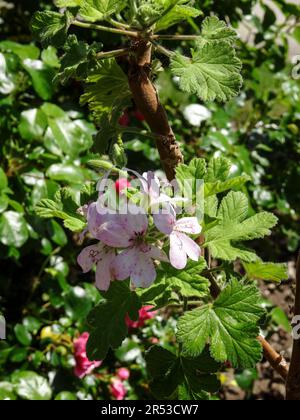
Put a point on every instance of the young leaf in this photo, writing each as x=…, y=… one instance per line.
x=107, y=87
x=107, y=320
x=233, y=227
x=93, y=10
x=51, y=27
x=181, y=11
x=214, y=29
x=213, y=72
x=266, y=271
x=230, y=324
x=218, y=178
x=188, y=282
x=75, y=55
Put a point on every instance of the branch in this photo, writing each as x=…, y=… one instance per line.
x=131, y=34
x=147, y=101
x=293, y=380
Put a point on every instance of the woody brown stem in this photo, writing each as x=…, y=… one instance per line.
x=293, y=380
x=146, y=99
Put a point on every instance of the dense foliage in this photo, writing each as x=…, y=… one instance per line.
x=53, y=152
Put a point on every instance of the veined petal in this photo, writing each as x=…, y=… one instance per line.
x=167, y=221
x=114, y=235
x=178, y=257
x=190, y=247
x=124, y=263
x=143, y=273
x=104, y=270
x=188, y=225
x=95, y=220
x=135, y=221
x=90, y=256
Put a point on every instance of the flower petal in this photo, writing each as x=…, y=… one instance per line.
x=190, y=247
x=124, y=263
x=165, y=220
x=143, y=273
x=89, y=256
x=157, y=254
x=178, y=257
x=104, y=270
x=114, y=235
x=188, y=225
x=135, y=221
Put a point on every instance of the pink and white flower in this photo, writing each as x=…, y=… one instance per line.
x=181, y=245
x=101, y=256
x=136, y=261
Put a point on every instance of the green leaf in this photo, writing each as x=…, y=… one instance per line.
x=65, y=172
x=190, y=178
x=3, y=180
x=48, y=209
x=107, y=320
x=233, y=227
x=230, y=324
x=7, y=391
x=66, y=396
x=51, y=27
x=33, y=123
x=41, y=76
x=69, y=3
x=280, y=318
x=107, y=87
x=13, y=229
x=213, y=72
x=169, y=372
x=266, y=271
x=31, y=386
x=7, y=84
x=188, y=282
x=78, y=56
x=23, y=51
x=23, y=336
x=214, y=29
x=180, y=12
x=93, y=10
x=217, y=187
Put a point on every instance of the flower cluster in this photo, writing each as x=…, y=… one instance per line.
x=132, y=239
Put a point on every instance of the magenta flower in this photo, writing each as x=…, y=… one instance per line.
x=136, y=261
x=83, y=365
x=101, y=256
x=145, y=313
x=121, y=185
x=123, y=374
x=118, y=389
x=181, y=246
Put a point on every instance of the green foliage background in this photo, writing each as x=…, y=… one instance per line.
x=46, y=141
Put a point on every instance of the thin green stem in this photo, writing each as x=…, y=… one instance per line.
x=162, y=49
x=114, y=53
x=132, y=34
x=175, y=37
x=118, y=24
